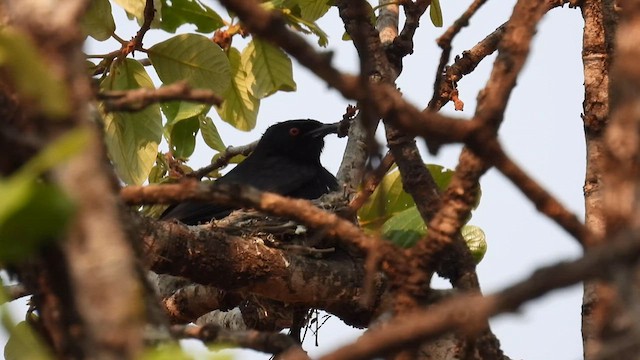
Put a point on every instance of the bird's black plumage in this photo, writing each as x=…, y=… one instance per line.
x=286, y=161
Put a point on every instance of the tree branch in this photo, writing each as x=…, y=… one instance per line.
x=138, y=99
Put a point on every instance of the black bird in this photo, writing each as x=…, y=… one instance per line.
x=285, y=161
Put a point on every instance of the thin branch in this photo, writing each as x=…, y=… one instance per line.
x=149, y=14
x=444, y=41
x=138, y=99
x=446, y=82
x=224, y=159
x=268, y=342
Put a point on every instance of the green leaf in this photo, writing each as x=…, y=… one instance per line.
x=176, y=111
x=210, y=134
x=388, y=199
x=132, y=138
x=180, y=12
x=35, y=214
x=98, y=21
x=240, y=107
x=476, y=241
x=24, y=344
x=441, y=175
x=194, y=59
x=268, y=69
x=435, y=12
x=183, y=138
x=404, y=228
x=23, y=63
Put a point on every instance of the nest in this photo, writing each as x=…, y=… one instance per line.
x=280, y=232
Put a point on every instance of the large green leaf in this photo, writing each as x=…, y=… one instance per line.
x=194, y=59
x=132, y=138
x=22, y=62
x=210, y=134
x=389, y=198
x=179, y=12
x=268, y=69
x=240, y=107
x=98, y=21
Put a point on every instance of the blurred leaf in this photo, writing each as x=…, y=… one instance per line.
x=24, y=344
x=240, y=107
x=179, y=12
x=135, y=9
x=194, y=59
x=23, y=63
x=306, y=27
x=441, y=175
x=310, y=10
x=60, y=150
x=210, y=134
x=132, y=138
x=435, y=12
x=98, y=21
x=34, y=214
x=183, y=138
x=476, y=241
x=166, y=352
x=268, y=69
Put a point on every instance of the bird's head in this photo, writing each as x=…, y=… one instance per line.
x=298, y=139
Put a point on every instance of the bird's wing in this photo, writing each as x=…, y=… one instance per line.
x=275, y=174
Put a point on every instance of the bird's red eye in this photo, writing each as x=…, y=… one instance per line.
x=294, y=131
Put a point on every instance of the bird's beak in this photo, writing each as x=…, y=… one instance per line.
x=324, y=130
